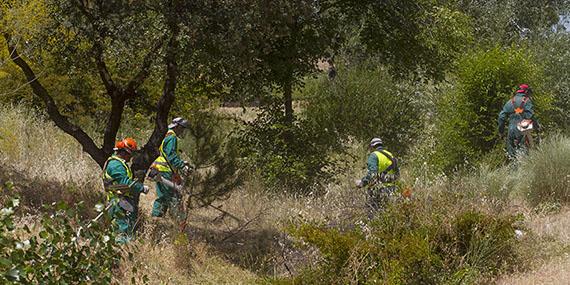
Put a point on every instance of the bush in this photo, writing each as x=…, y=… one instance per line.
x=364, y=102
x=466, y=123
x=52, y=253
x=411, y=243
x=552, y=52
x=214, y=151
x=547, y=172
x=284, y=154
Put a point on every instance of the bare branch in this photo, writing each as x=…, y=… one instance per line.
x=103, y=71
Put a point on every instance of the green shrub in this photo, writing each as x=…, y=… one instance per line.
x=466, y=124
x=364, y=102
x=481, y=242
x=52, y=253
x=411, y=243
x=286, y=155
x=212, y=147
x=547, y=172
x=552, y=52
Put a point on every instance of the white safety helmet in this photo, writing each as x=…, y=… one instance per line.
x=376, y=142
x=178, y=121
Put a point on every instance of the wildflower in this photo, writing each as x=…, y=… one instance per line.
x=6, y=212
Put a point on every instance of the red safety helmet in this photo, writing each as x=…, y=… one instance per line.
x=524, y=88
x=127, y=144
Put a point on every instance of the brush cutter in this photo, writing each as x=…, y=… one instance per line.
x=526, y=127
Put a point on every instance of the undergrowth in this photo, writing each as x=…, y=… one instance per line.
x=54, y=250
x=411, y=243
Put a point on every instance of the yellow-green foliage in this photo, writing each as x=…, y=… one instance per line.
x=24, y=17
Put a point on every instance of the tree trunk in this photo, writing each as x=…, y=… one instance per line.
x=288, y=97
x=110, y=135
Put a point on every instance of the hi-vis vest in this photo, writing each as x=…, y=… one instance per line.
x=385, y=164
x=109, y=182
x=388, y=171
x=161, y=163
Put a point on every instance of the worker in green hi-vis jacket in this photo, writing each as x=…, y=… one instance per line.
x=383, y=171
x=169, y=165
x=122, y=191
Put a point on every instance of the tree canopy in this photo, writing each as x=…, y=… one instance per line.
x=87, y=61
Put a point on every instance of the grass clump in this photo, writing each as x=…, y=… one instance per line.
x=547, y=170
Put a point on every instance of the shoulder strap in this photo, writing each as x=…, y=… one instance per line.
x=127, y=169
x=520, y=108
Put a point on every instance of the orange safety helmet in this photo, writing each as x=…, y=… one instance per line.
x=127, y=144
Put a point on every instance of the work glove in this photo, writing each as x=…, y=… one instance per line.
x=146, y=189
x=188, y=168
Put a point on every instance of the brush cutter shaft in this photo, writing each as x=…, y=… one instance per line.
x=169, y=183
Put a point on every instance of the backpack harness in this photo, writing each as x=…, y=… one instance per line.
x=520, y=109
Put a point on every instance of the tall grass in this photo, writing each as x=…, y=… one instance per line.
x=545, y=173
x=45, y=164
x=31, y=143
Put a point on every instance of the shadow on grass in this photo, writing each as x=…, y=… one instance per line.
x=254, y=249
x=36, y=193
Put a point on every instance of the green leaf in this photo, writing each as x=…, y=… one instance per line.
x=5, y=261
x=44, y=234
x=61, y=206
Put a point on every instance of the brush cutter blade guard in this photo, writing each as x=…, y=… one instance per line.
x=525, y=126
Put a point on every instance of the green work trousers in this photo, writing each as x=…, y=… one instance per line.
x=515, y=143
x=123, y=221
x=378, y=198
x=167, y=198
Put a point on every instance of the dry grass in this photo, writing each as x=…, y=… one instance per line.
x=554, y=272
x=548, y=269
x=31, y=144
x=192, y=263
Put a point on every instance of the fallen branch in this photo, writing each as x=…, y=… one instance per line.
x=241, y=228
